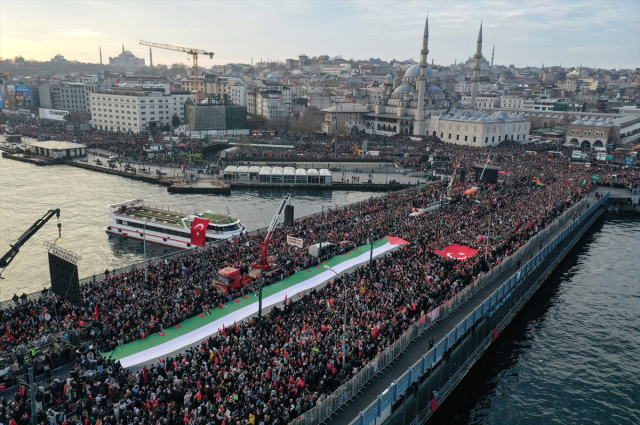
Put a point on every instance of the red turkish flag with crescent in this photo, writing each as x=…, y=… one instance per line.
x=199, y=231
x=457, y=251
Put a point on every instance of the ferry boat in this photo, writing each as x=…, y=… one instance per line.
x=135, y=220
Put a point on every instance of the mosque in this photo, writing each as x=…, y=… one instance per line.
x=397, y=109
x=125, y=59
x=404, y=104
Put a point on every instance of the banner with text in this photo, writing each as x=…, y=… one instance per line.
x=295, y=241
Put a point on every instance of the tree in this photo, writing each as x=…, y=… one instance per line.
x=175, y=121
x=279, y=123
x=257, y=122
x=308, y=123
x=76, y=117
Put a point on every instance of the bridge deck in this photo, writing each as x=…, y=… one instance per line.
x=349, y=411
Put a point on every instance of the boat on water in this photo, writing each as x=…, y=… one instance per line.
x=135, y=220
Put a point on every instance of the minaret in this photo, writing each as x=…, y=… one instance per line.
x=122, y=47
x=418, y=126
x=100, y=55
x=492, y=53
x=150, y=58
x=475, y=79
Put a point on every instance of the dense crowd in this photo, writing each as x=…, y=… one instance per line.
x=247, y=375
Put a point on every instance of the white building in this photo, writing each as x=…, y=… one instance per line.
x=238, y=94
x=484, y=101
x=336, y=69
x=480, y=129
x=512, y=101
x=136, y=110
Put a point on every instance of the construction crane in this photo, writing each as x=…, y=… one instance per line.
x=15, y=248
x=264, y=264
x=190, y=51
x=356, y=150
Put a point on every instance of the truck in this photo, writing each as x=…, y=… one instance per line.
x=229, y=280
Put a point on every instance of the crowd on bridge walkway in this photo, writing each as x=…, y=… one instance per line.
x=271, y=375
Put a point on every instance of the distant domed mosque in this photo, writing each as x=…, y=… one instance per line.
x=404, y=103
x=126, y=59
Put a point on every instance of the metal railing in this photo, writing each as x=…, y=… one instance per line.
x=432, y=357
x=322, y=411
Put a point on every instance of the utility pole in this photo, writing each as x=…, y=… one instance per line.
x=204, y=259
x=344, y=324
x=373, y=232
x=32, y=394
x=144, y=243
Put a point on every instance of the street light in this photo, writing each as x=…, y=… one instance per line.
x=144, y=243
x=322, y=229
x=486, y=249
x=344, y=324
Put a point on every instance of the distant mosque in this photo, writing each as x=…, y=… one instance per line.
x=126, y=59
x=404, y=103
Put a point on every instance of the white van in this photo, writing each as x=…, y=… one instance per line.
x=112, y=159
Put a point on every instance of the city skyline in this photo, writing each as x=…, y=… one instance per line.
x=568, y=33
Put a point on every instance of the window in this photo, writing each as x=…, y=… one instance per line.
x=465, y=138
x=449, y=136
x=474, y=139
x=457, y=137
x=486, y=140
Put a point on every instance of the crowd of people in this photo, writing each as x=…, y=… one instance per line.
x=248, y=375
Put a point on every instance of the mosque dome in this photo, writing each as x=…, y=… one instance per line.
x=578, y=122
x=389, y=76
x=430, y=72
x=413, y=71
x=271, y=77
x=396, y=79
x=404, y=88
x=603, y=124
x=434, y=90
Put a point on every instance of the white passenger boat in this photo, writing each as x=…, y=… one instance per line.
x=135, y=220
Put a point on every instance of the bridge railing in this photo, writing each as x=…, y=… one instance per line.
x=433, y=356
x=324, y=410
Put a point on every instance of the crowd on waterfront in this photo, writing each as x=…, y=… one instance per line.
x=272, y=375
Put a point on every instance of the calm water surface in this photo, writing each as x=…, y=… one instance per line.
x=28, y=191
x=573, y=356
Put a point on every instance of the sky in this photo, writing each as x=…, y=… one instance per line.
x=603, y=33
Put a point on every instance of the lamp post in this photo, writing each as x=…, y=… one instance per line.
x=373, y=233
x=486, y=247
x=144, y=243
x=321, y=229
x=344, y=324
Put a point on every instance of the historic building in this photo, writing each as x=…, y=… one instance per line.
x=480, y=129
x=404, y=106
x=126, y=59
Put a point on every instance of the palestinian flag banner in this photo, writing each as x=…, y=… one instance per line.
x=191, y=331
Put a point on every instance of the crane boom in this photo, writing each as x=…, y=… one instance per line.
x=189, y=50
x=264, y=263
x=15, y=248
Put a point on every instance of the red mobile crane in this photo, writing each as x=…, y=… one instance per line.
x=264, y=263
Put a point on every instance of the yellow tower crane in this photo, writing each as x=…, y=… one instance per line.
x=193, y=52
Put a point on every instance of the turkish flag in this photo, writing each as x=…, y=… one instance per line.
x=96, y=313
x=459, y=252
x=199, y=231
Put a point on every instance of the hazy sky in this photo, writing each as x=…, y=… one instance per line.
x=603, y=33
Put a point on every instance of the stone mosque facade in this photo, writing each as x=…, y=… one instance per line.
x=419, y=104
x=405, y=104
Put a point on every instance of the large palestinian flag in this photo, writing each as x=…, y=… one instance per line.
x=197, y=328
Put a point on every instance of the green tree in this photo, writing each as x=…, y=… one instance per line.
x=175, y=121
